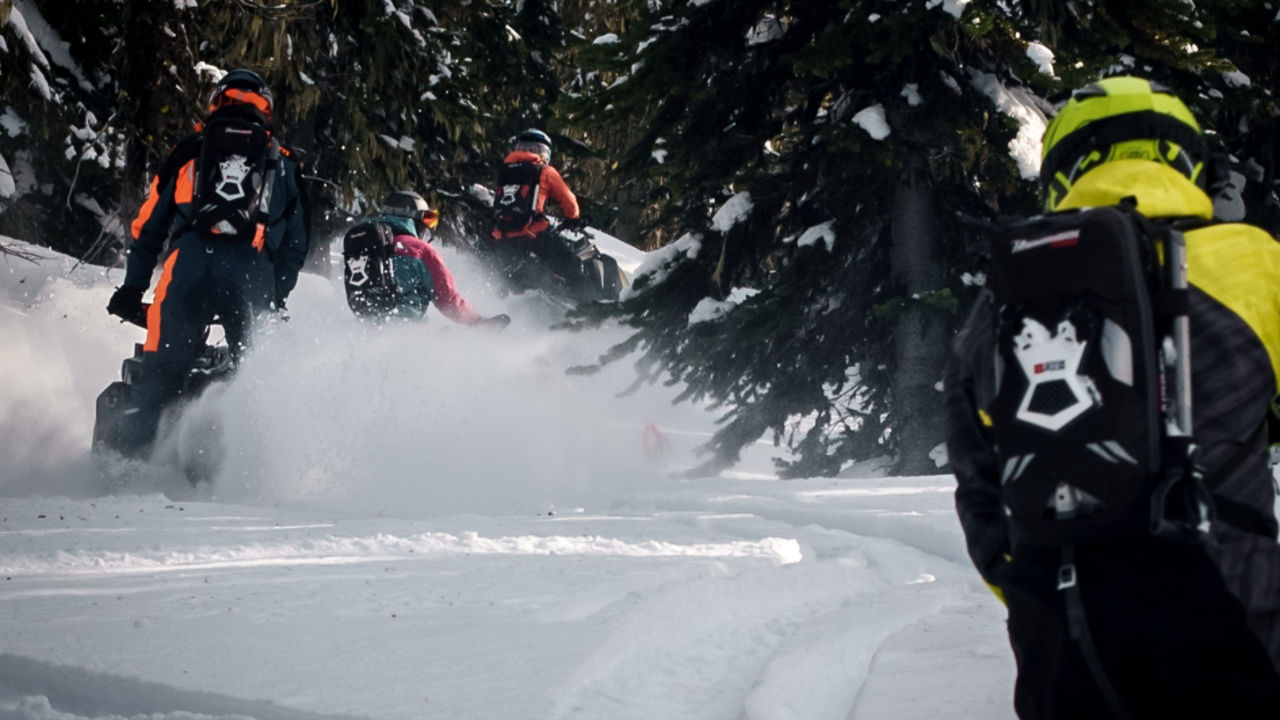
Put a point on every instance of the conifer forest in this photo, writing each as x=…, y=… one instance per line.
x=828, y=169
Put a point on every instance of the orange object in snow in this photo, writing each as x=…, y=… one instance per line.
x=656, y=444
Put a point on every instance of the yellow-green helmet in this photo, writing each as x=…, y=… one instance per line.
x=1118, y=118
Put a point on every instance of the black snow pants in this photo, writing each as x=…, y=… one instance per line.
x=1172, y=640
x=200, y=280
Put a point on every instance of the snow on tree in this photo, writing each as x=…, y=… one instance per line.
x=820, y=176
x=824, y=115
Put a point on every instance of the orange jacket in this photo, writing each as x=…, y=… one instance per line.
x=550, y=185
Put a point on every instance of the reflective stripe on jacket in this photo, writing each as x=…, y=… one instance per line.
x=168, y=210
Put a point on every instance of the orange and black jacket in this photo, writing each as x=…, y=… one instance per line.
x=550, y=185
x=1234, y=272
x=167, y=213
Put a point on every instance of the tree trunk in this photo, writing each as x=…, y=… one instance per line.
x=322, y=197
x=139, y=68
x=920, y=339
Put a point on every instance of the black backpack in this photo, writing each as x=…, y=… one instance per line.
x=368, y=272
x=235, y=173
x=513, y=209
x=1092, y=413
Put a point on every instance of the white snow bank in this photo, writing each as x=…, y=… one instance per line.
x=427, y=521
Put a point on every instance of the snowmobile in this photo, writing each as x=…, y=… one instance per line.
x=579, y=272
x=213, y=363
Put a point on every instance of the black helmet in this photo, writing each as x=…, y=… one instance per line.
x=409, y=204
x=536, y=142
x=244, y=87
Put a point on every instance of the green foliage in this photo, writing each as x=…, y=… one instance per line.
x=665, y=112
x=61, y=143
x=374, y=95
x=419, y=98
x=713, y=114
x=1218, y=56
x=774, y=116
x=943, y=300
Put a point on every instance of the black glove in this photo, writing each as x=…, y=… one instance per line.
x=126, y=304
x=575, y=224
x=497, y=321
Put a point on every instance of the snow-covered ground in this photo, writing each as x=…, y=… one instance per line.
x=428, y=521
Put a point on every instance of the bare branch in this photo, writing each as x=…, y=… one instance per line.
x=11, y=250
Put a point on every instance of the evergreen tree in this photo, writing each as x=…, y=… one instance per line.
x=387, y=95
x=375, y=95
x=816, y=173
x=61, y=136
x=149, y=94
x=1218, y=56
x=611, y=200
x=818, y=154
x=391, y=95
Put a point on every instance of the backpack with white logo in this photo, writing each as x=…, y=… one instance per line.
x=513, y=208
x=235, y=171
x=1092, y=414
x=368, y=251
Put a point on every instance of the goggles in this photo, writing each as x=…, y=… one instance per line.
x=238, y=95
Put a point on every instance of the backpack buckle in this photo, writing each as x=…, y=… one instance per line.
x=1066, y=576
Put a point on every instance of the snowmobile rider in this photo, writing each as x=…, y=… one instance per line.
x=1180, y=629
x=521, y=226
x=420, y=271
x=229, y=200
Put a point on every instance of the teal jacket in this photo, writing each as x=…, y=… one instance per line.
x=412, y=277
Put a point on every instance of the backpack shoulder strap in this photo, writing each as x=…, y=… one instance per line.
x=262, y=214
x=187, y=149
